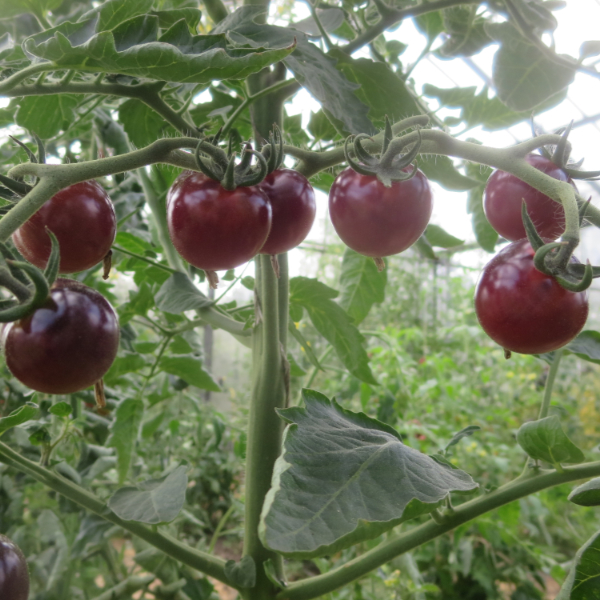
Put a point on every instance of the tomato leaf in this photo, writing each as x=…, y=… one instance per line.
x=179, y=294
x=583, y=581
x=152, y=501
x=586, y=346
x=380, y=88
x=344, y=477
x=134, y=48
x=361, y=285
x=523, y=75
x=243, y=573
x=440, y=238
x=189, y=369
x=142, y=125
x=313, y=69
x=113, y=12
x=124, y=432
x=47, y=115
x=61, y=409
x=442, y=170
x=19, y=416
x=587, y=494
x=334, y=324
x=545, y=440
x=466, y=29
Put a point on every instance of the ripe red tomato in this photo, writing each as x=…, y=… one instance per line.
x=83, y=220
x=14, y=575
x=66, y=345
x=525, y=310
x=215, y=229
x=504, y=194
x=375, y=220
x=293, y=206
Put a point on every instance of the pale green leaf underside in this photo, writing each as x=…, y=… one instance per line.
x=361, y=285
x=155, y=501
x=343, y=478
x=583, y=581
x=545, y=440
x=587, y=494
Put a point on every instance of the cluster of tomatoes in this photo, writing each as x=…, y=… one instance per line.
x=69, y=342
x=519, y=307
x=217, y=229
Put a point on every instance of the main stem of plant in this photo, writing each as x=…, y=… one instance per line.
x=268, y=374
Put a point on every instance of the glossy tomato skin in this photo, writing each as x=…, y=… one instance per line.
x=66, y=345
x=504, y=194
x=14, y=575
x=293, y=206
x=215, y=229
x=83, y=219
x=524, y=310
x=375, y=220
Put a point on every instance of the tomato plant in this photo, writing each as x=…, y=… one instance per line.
x=213, y=228
x=14, y=575
x=504, y=194
x=525, y=310
x=376, y=220
x=82, y=218
x=67, y=344
x=293, y=208
x=215, y=459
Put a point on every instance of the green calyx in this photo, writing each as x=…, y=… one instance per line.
x=27, y=283
x=273, y=151
x=397, y=153
x=554, y=258
x=221, y=166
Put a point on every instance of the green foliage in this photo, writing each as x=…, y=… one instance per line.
x=343, y=478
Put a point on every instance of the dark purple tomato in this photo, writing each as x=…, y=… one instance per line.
x=66, y=345
x=524, y=310
x=293, y=205
x=83, y=220
x=213, y=228
x=14, y=576
x=504, y=194
x=376, y=220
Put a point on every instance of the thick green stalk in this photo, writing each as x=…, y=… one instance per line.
x=550, y=383
x=264, y=426
x=190, y=556
x=525, y=485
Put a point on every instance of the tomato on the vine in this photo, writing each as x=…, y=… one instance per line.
x=504, y=194
x=292, y=200
x=213, y=228
x=82, y=218
x=67, y=344
x=524, y=310
x=376, y=220
x=14, y=575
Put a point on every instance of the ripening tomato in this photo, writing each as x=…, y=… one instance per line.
x=82, y=218
x=14, y=575
x=376, y=220
x=504, y=194
x=213, y=228
x=524, y=310
x=292, y=200
x=67, y=344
